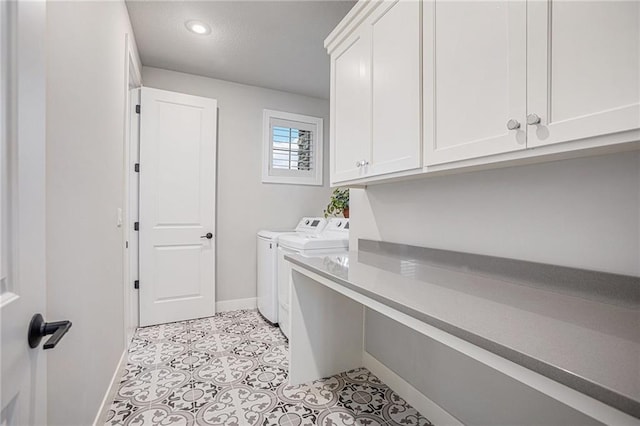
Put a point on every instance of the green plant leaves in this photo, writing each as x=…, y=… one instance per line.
x=338, y=202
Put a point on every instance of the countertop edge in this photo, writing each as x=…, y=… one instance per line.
x=576, y=382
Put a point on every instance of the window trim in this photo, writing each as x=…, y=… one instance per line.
x=292, y=177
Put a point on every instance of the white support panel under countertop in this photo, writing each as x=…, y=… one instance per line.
x=326, y=331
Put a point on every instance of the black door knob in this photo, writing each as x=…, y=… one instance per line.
x=38, y=329
x=208, y=236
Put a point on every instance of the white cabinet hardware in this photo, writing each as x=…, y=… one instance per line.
x=513, y=124
x=533, y=119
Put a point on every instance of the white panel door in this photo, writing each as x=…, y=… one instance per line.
x=351, y=107
x=583, y=69
x=396, y=83
x=23, y=374
x=177, y=206
x=474, y=78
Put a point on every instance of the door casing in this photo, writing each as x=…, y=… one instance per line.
x=133, y=81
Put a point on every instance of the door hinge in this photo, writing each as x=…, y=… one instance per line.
x=137, y=109
x=136, y=284
x=136, y=168
x=136, y=226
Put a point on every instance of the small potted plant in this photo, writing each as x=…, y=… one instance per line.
x=338, y=203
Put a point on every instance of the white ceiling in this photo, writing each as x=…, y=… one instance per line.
x=273, y=44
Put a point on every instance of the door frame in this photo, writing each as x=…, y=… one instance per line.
x=132, y=80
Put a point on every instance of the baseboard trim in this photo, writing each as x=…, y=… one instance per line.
x=235, y=304
x=101, y=416
x=424, y=405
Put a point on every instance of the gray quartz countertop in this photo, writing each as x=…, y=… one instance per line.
x=587, y=338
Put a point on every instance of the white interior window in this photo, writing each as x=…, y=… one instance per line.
x=292, y=148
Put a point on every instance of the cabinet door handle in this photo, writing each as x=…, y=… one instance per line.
x=358, y=163
x=533, y=119
x=513, y=124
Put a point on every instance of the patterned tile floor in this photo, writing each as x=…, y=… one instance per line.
x=231, y=369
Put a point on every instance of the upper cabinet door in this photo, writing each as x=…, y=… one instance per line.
x=396, y=87
x=351, y=107
x=584, y=69
x=474, y=78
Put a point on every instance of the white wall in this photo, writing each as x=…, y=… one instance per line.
x=244, y=204
x=583, y=213
x=85, y=129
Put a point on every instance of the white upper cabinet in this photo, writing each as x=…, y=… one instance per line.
x=396, y=82
x=424, y=86
x=583, y=69
x=475, y=78
x=376, y=91
x=351, y=107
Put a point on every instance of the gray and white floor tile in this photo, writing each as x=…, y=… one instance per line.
x=232, y=369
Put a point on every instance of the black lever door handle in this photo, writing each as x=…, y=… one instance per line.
x=208, y=236
x=38, y=329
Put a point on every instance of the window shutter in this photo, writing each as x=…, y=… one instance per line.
x=292, y=148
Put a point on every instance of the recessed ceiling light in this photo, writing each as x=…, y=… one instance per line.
x=198, y=27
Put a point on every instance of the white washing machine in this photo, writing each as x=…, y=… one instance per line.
x=267, y=273
x=334, y=239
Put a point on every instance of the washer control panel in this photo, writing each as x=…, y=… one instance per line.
x=337, y=224
x=311, y=225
